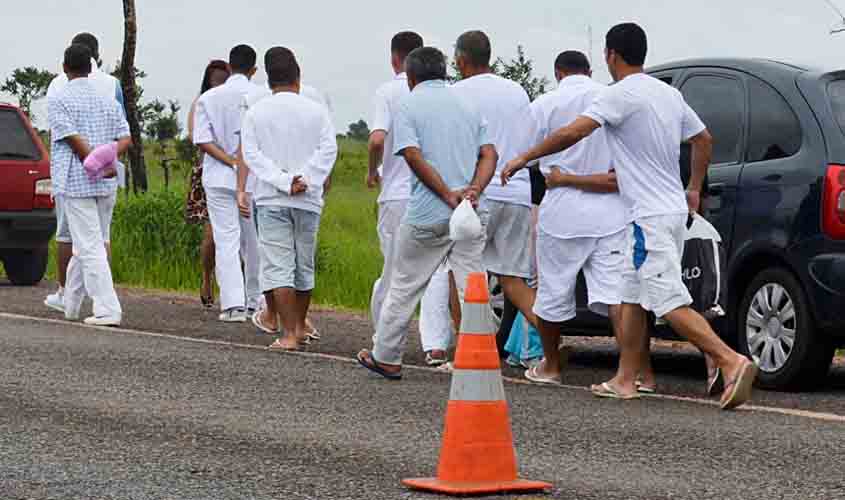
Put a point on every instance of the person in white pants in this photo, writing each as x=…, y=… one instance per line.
x=393, y=175
x=80, y=120
x=444, y=141
x=109, y=87
x=217, y=133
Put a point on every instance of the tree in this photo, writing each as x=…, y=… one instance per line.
x=27, y=85
x=358, y=131
x=160, y=121
x=131, y=96
x=520, y=70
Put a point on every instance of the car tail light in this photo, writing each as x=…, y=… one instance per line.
x=43, y=194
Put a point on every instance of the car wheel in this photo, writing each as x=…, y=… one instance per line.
x=25, y=267
x=776, y=330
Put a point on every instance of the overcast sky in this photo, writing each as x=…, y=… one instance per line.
x=343, y=46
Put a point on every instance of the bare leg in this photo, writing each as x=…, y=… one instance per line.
x=285, y=304
x=630, y=338
x=270, y=314
x=550, y=336
x=646, y=371
x=207, y=261
x=303, y=302
x=64, y=251
x=693, y=327
x=521, y=295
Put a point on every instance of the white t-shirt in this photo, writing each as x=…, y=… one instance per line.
x=260, y=92
x=646, y=122
x=395, y=173
x=568, y=212
x=506, y=107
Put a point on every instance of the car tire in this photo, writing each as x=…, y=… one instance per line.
x=25, y=267
x=773, y=313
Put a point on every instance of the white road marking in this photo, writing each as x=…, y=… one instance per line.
x=814, y=415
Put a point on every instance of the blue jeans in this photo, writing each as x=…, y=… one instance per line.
x=287, y=239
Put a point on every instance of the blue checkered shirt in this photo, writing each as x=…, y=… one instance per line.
x=79, y=110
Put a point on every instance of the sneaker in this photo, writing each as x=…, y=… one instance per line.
x=103, y=321
x=233, y=315
x=56, y=301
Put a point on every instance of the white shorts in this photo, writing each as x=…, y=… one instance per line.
x=559, y=262
x=508, y=248
x=106, y=212
x=652, y=273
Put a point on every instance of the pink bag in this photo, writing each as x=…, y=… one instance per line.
x=98, y=161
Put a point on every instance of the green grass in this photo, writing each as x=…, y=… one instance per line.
x=152, y=246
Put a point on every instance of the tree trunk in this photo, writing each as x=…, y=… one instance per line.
x=130, y=94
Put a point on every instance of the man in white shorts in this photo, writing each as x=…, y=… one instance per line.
x=108, y=87
x=646, y=120
x=582, y=217
x=394, y=178
x=506, y=107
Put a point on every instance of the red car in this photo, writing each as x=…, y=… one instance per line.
x=27, y=216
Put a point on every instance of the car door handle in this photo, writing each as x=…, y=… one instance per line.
x=716, y=189
x=773, y=178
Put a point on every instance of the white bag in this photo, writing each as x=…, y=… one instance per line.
x=465, y=223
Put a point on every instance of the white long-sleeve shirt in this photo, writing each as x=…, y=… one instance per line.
x=284, y=136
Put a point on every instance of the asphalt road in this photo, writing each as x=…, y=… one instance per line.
x=94, y=414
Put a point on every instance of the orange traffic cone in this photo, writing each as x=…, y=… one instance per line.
x=477, y=456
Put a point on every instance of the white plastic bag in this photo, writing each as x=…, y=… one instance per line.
x=465, y=223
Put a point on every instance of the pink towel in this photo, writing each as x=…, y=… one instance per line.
x=99, y=160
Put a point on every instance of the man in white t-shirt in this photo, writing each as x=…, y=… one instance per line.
x=582, y=217
x=507, y=108
x=107, y=87
x=393, y=175
x=646, y=121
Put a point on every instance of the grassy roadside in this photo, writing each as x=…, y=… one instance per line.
x=154, y=248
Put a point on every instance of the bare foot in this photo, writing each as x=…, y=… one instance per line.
x=268, y=320
x=284, y=343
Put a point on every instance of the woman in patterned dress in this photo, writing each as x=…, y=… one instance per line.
x=196, y=210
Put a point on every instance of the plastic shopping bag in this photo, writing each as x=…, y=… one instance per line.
x=99, y=160
x=524, y=342
x=703, y=268
x=465, y=223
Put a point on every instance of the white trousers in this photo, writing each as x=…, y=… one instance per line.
x=435, y=319
x=88, y=272
x=235, y=238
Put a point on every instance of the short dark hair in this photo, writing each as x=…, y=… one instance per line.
x=242, y=58
x=281, y=66
x=475, y=47
x=90, y=41
x=572, y=61
x=426, y=63
x=629, y=41
x=78, y=59
x=404, y=42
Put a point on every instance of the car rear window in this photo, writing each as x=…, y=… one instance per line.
x=15, y=140
x=836, y=94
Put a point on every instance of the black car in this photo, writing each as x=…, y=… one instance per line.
x=776, y=193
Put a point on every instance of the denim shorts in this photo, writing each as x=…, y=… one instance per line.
x=287, y=239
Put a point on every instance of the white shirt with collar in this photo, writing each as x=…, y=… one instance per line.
x=395, y=172
x=286, y=135
x=104, y=84
x=569, y=212
x=218, y=120
x=262, y=91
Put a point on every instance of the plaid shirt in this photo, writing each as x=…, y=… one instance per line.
x=79, y=110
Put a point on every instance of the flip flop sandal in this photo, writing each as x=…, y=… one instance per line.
x=274, y=347
x=373, y=365
x=644, y=389
x=605, y=390
x=314, y=334
x=532, y=375
x=713, y=382
x=740, y=387
x=256, y=320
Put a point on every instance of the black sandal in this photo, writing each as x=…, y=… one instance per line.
x=375, y=367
